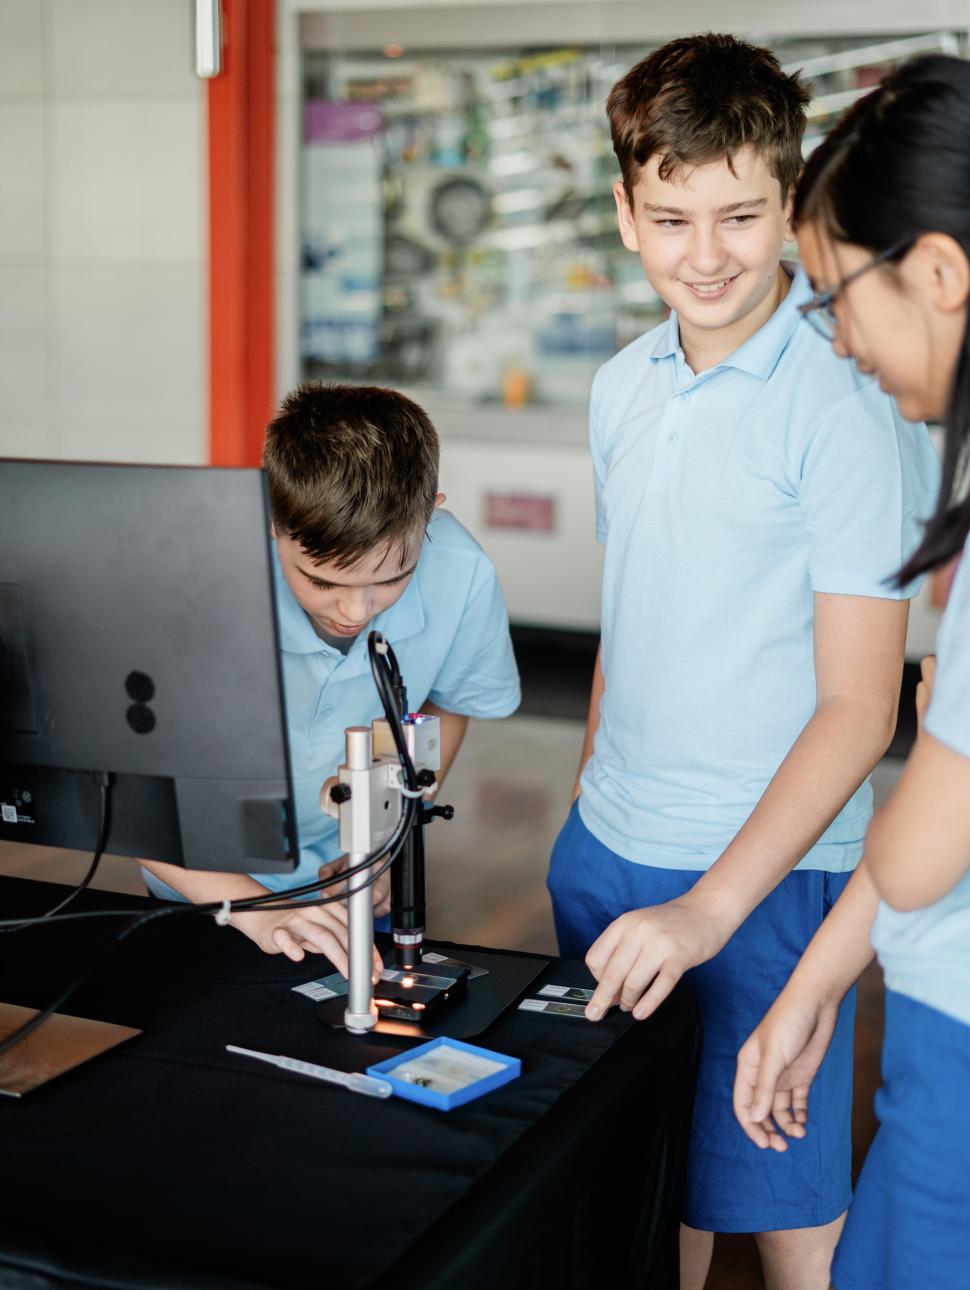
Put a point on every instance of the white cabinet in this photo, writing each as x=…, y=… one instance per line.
x=530, y=504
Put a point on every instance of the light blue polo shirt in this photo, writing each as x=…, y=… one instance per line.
x=725, y=500
x=450, y=632
x=925, y=953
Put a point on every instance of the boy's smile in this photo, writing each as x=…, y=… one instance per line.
x=712, y=290
x=709, y=238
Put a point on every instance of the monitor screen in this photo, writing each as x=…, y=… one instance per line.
x=138, y=637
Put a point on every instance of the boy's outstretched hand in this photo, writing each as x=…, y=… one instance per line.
x=643, y=954
x=776, y=1067
x=317, y=929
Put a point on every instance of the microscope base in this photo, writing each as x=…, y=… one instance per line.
x=463, y=1014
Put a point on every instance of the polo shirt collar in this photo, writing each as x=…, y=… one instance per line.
x=667, y=341
x=760, y=353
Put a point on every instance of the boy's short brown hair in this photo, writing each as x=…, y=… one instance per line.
x=703, y=98
x=351, y=469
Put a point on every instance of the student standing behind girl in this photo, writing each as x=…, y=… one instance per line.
x=883, y=216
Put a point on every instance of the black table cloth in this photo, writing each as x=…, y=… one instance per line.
x=169, y=1162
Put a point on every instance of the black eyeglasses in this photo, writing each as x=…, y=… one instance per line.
x=820, y=311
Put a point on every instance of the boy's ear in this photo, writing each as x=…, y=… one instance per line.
x=789, y=212
x=624, y=216
x=439, y=500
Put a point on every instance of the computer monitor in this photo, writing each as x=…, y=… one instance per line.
x=138, y=637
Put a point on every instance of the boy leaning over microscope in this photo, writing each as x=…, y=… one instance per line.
x=360, y=542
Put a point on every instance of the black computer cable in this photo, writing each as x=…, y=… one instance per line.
x=388, y=849
x=141, y=919
x=103, y=780
x=40, y=1017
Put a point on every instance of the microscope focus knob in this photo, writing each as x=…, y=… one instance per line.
x=340, y=793
x=445, y=812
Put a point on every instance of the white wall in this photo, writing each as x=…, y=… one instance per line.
x=103, y=240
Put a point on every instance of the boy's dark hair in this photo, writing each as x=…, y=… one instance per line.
x=351, y=468
x=701, y=99
x=894, y=168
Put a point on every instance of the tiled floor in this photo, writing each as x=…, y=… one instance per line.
x=510, y=788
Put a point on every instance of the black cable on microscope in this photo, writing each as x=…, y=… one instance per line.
x=387, y=677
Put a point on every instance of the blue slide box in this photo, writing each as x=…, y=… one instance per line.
x=511, y=1069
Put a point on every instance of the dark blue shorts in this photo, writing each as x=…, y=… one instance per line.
x=909, y=1225
x=732, y=1185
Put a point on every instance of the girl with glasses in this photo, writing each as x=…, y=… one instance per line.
x=883, y=221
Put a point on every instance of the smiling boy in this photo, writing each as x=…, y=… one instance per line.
x=360, y=541
x=754, y=496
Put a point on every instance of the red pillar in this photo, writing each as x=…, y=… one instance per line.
x=242, y=182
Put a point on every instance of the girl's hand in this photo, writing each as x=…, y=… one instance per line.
x=776, y=1067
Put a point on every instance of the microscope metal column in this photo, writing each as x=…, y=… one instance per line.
x=368, y=804
x=361, y=1015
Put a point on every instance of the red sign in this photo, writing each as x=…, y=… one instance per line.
x=525, y=512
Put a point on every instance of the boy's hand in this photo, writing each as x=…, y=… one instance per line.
x=643, y=954
x=924, y=690
x=776, y=1067
x=381, y=888
x=318, y=929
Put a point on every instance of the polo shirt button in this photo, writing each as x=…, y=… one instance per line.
x=683, y=398
x=671, y=438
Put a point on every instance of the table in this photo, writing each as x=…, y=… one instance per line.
x=169, y=1162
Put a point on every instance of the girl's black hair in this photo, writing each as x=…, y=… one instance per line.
x=898, y=166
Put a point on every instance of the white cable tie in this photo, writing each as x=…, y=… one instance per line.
x=222, y=915
x=412, y=792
